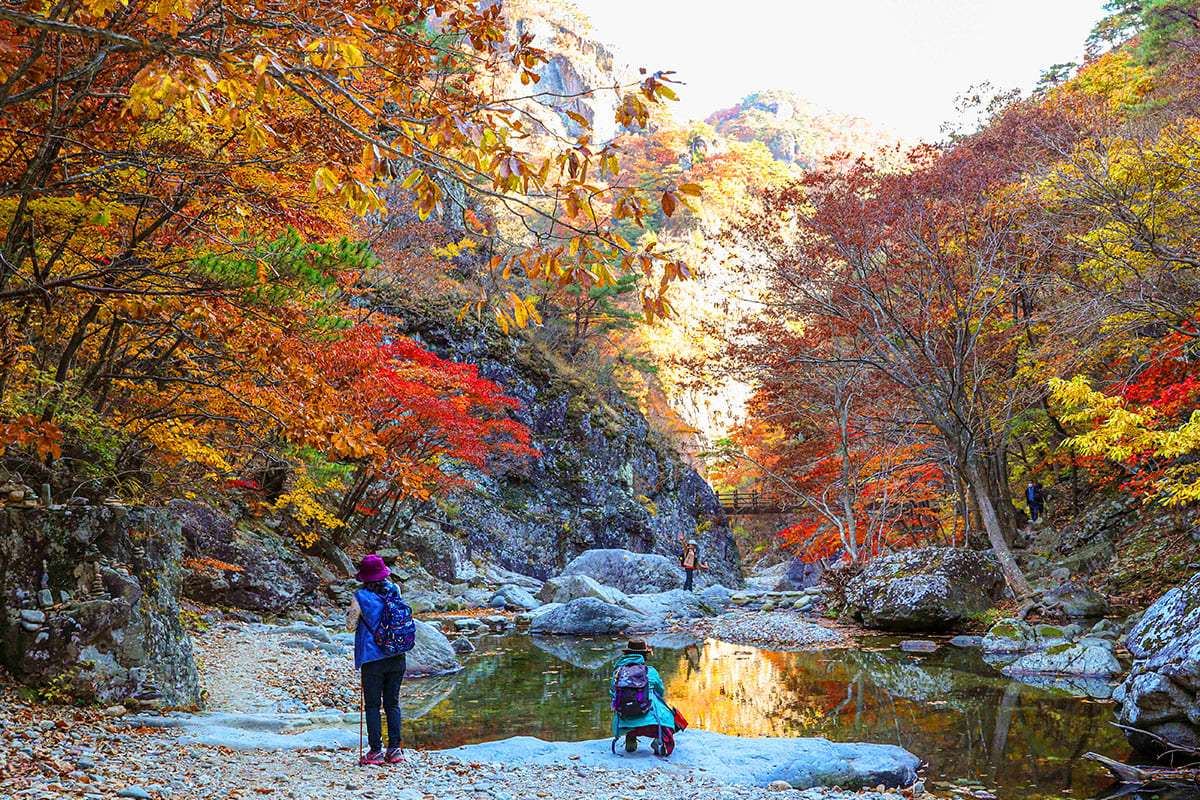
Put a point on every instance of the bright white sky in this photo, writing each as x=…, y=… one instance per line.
x=900, y=63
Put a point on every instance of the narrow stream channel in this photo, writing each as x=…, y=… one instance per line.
x=980, y=732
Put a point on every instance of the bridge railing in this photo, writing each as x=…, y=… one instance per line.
x=741, y=502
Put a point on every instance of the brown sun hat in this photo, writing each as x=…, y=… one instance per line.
x=637, y=647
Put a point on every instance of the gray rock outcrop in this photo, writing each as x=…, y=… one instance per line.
x=602, y=478
x=113, y=634
x=1161, y=695
x=631, y=573
x=929, y=589
x=445, y=556
x=231, y=568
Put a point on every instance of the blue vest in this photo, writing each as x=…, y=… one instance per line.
x=371, y=607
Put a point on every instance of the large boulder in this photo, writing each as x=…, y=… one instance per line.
x=89, y=605
x=432, y=653
x=566, y=588
x=1161, y=695
x=1091, y=658
x=235, y=568
x=513, y=598
x=631, y=573
x=929, y=589
x=800, y=575
x=675, y=604
x=587, y=616
x=1074, y=600
x=1013, y=637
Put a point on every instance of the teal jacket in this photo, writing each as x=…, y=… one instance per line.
x=660, y=713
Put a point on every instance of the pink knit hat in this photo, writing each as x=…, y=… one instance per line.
x=372, y=568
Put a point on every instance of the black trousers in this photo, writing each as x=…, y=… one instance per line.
x=691, y=576
x=381, y=688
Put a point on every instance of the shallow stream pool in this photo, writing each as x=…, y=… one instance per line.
x=982, y=733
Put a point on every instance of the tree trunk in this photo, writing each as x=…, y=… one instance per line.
x=991, y=524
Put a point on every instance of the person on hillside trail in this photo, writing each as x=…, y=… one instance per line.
x=383, y=633
x=1035, y=497
x=690, y=561
x=639, y=703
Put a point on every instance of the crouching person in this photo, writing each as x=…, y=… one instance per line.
x=639, y=703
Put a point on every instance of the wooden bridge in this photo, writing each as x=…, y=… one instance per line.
x=738, y=503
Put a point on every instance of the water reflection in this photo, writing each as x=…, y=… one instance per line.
x=974, y=726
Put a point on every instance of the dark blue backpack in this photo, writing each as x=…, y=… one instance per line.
x=396, y=632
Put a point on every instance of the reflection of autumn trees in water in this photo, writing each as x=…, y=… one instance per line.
x=947, y=707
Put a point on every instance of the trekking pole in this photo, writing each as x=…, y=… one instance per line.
x=362, y=702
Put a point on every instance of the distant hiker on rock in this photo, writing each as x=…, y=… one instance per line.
x=639, y=703
x=690, y=561
x=383, y=632
x=1035, y=496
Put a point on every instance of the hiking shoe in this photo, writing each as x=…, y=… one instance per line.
x=372, y=757
x=655, y=747
x=630, y=743
x=394, y=755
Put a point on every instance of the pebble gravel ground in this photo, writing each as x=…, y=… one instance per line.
x=259, y=668
x=780, y=630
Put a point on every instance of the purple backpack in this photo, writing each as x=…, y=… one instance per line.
x=631, y=697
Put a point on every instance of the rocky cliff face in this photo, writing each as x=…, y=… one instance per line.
x=602, y=481
x=581, y=75
x=797, y=131
x=88, y=605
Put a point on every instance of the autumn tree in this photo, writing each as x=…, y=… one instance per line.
x=915, y=273
x=181, y=190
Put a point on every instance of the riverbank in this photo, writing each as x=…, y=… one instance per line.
x=50, y=752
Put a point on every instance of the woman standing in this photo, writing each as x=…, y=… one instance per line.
x=382, y=670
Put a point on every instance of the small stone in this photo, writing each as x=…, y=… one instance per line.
x=967, y=641
x=351, y=786
x=46, y=725
x=918, y=646
x=134, y=791
x=462, y=645
x=45, y=598
x=84, y=764
x=33, y=615
x=117, y=711
x=779, y=786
